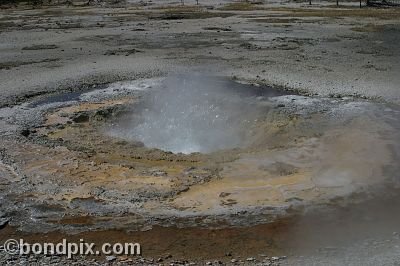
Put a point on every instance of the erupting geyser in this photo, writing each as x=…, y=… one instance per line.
x=195, y=114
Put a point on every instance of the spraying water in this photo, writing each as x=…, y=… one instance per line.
x=195, y=113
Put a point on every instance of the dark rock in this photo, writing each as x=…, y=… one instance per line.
x=3, y=222
x=25, y=132
x=224, y=194
x=81, y=118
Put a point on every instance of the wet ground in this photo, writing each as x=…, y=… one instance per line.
x=306, y=147
x=300, y=152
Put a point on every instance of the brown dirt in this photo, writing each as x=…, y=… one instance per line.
x=194, y=243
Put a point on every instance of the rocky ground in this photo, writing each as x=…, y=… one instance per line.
x=68, y=74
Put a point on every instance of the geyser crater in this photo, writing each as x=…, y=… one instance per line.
x=195, y=113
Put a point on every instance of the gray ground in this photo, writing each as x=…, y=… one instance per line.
x=319, y=52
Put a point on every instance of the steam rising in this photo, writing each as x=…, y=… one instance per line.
x=195, y=114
